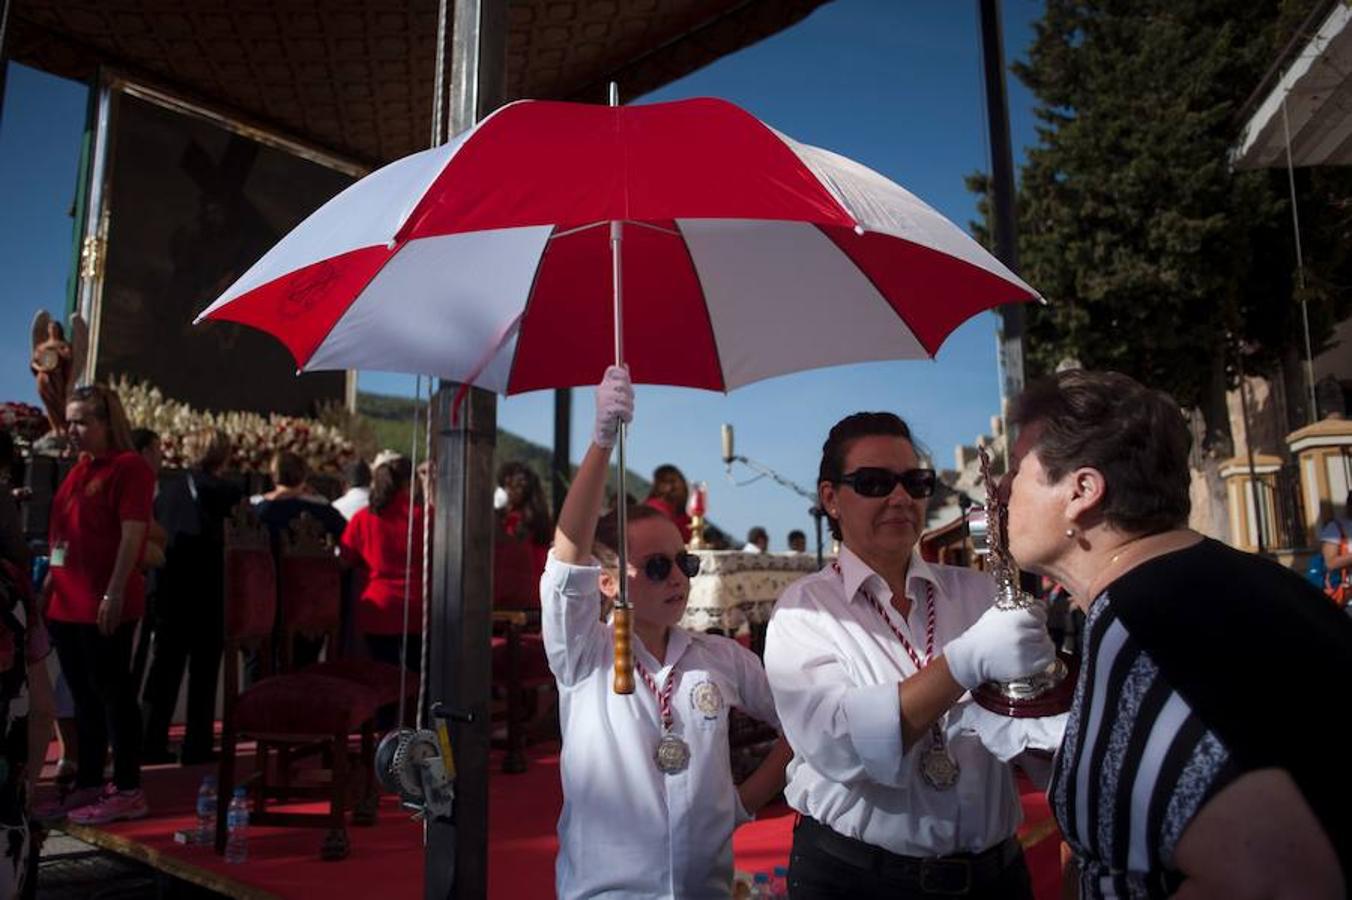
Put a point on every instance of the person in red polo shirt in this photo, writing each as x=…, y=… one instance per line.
x=95, y=595
x=669, y=494
x=377, y=540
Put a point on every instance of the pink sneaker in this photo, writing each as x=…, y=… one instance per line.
x=112, y=806
x=55, y=809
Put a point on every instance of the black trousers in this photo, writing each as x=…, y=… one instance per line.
x=385, y=648
x=98, y=671
x=826, y=865
x=190, y=643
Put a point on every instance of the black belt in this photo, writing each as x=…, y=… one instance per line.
x=957, y=874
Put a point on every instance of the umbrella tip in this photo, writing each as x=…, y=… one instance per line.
x=858, y=229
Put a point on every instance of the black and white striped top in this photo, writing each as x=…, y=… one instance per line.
x=1200, y=665
x=1136, y=765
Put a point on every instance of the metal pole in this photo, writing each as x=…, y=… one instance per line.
x=1003, y=219
x=1248, y=447
x=817, y=513
x=1300, y=269
x=624, y=658
x=439, y=85
x=563, y=440
x=4, y=51
x=458, y=669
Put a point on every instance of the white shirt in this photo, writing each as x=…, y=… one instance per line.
x=354, y=499
x=834, y=666
x=627, y=829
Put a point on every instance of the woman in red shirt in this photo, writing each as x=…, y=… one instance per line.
x=95, y=595
x=377, y=539
x=522, y=541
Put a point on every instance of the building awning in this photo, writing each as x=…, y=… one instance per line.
x=356, y=78
x=1314, y=81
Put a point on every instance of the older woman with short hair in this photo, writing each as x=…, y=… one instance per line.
x=1189, y=767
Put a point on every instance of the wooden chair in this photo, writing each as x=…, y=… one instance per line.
x=521, y=673
x=290, y=713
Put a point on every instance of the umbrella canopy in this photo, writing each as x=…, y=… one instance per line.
x=745, y=255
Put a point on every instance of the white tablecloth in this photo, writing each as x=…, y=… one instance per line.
x=734, y=589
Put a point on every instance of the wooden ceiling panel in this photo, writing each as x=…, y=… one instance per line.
x=355, y=76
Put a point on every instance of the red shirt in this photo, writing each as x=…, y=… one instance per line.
x=98, y=495
x=679, y=518
x=380, y=540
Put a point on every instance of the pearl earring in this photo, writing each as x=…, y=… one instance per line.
x=1070, y=533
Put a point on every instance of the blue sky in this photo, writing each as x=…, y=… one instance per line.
x=895, y=84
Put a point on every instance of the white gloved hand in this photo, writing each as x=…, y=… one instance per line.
x=614, y=404
x=1002, y=645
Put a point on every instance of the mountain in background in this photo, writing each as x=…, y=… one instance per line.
x=390, y=420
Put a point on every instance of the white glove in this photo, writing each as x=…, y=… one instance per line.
x=614, y=404
x=1002, y=645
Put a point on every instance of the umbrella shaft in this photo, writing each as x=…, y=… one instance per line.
x=621, y=505
x=624, y=665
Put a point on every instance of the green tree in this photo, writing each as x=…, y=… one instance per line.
x=1157, y=259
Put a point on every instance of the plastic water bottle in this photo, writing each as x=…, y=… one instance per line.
x=206, y=810
x=779, y=884
x=237, y=825
x=760, y=885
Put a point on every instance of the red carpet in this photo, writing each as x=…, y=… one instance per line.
x=387, y=859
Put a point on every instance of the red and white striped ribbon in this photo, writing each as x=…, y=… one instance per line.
x=663, y=696
x=906, y=644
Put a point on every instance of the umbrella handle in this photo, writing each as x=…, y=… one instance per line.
x=624, y=654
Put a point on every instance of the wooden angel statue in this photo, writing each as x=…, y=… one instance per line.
x=56, y=363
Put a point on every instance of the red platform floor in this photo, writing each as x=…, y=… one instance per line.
x=387, y=858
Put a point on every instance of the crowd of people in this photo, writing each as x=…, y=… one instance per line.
x=131, y=593
x=1170, y=757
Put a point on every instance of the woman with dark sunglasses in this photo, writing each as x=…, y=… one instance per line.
x=870, y=661
x=649, y=803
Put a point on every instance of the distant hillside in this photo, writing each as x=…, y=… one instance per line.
x=391, y=421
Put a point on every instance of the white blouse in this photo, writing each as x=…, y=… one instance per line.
x=834, y=667
x=628, y=829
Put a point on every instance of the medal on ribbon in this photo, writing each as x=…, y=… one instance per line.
x=937, y=766
x=672, y=754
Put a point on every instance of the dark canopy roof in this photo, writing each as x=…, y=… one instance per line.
x=355, y=76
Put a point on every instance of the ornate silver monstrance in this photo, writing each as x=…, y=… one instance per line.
x=1044, y=693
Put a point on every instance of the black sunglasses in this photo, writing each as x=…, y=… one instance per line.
x=658, y=567
x=877, y=482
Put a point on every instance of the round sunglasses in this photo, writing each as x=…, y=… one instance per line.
x=878, y=482
x=658, y=566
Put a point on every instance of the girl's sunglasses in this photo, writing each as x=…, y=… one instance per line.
x=658, y=567
x=878, y=482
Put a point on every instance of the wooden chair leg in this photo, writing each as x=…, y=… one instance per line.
x=514, y=762
x=284, y=767
x=225, y=784
x=262, y=780
x=336, y=845
x=365, y=811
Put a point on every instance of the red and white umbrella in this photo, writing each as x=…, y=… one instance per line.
x=689, y=240
x=745, y=255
